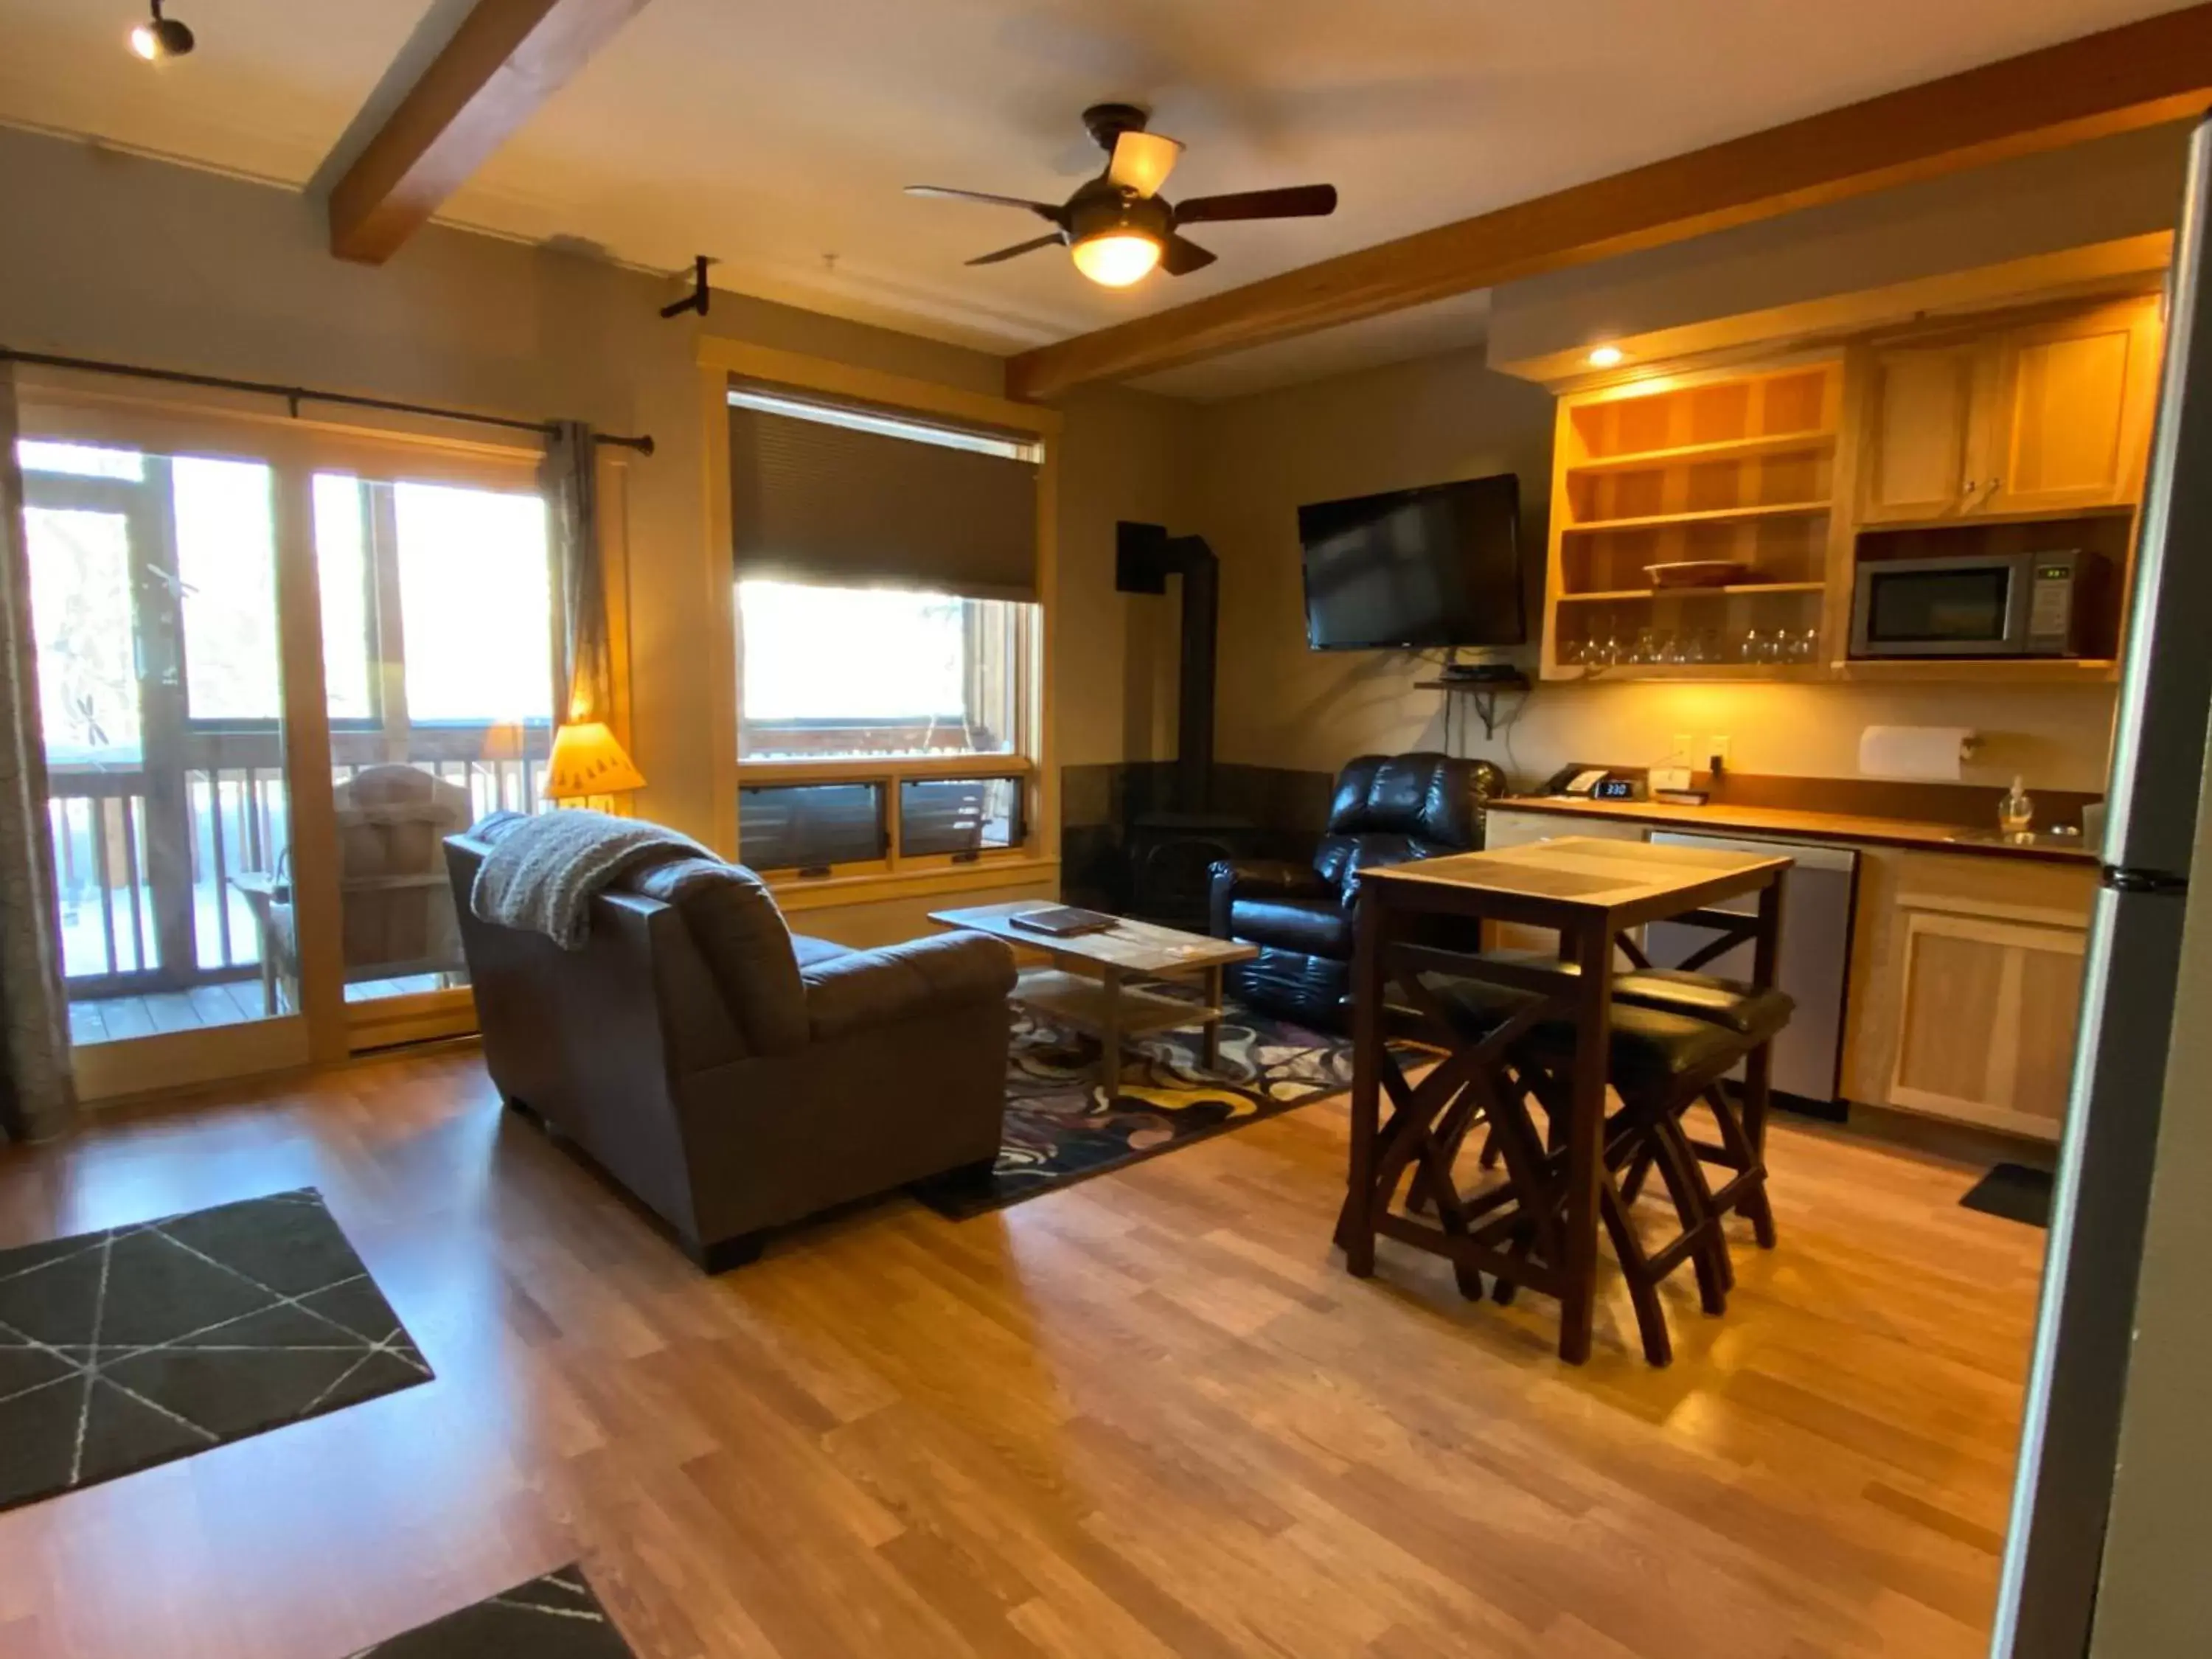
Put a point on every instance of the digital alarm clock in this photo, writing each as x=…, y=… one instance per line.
x=1611, y=788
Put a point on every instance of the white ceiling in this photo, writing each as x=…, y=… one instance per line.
x=774, y=135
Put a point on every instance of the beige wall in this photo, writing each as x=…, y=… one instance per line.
x=2122, y=187
x=1448, y=417
x=118, y=257
x=1124, y=455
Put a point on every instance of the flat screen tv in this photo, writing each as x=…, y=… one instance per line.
x=1436, y=566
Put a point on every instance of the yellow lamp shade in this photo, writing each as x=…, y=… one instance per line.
x=587, y=760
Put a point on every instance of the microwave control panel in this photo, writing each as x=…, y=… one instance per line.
x=2050, y=606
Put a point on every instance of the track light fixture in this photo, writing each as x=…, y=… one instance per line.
x=161, y=37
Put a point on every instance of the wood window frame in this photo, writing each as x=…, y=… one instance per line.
x=719, y=361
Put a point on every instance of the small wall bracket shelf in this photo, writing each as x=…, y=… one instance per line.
x=1483, y=693
x=697, y=298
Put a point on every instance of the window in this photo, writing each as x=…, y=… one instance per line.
x=961, y=816
x=811, y=827
x=889, y=633
x=847, y=671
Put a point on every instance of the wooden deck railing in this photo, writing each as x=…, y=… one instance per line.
x=117, y=877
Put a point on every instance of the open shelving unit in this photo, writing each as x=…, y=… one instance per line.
x=1735, y=465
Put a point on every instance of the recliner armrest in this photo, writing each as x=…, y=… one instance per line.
x=870, y=988
x=1236, y=878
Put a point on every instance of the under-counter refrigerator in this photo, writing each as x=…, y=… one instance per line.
x=2077, y=1378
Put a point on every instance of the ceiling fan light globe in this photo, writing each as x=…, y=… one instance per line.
x=161, y=37
x=1115, y=258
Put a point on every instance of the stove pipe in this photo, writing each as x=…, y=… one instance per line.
x=1145, y=557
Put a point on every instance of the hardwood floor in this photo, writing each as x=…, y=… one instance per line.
x=1147, y=1416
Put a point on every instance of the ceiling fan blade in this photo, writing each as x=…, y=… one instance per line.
x=1043, y=210
x=1018, y=248
x=1294, y=202
x=1182, y=256
x=1142, y=162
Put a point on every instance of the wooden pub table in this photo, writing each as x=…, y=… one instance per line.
x=1097, y=981
x=1589, y=892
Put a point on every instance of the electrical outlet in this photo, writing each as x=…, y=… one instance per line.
x=1717, y=751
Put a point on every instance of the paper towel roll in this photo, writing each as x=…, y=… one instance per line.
x=1929, y=753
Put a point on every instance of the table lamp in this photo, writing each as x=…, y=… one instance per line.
x=588, y=766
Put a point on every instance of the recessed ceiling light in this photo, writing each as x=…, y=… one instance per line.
x=1608, y=356
x=161, y=37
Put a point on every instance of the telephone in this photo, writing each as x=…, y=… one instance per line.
x=1578, y=780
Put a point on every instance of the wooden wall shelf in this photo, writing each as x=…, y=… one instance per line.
x=1729, y=449
x=1711, y=515
x=1611, y=595
x=1694, y=671
x=1993, y=671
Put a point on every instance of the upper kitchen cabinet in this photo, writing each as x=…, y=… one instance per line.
x=1926, y=447
x=2037, y=418
x=2072, y=417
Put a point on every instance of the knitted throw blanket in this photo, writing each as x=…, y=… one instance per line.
x=542, y=870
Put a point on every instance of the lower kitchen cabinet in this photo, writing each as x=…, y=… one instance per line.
x=1965, y=986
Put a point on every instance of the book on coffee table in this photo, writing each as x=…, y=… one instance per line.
x=1061, y=921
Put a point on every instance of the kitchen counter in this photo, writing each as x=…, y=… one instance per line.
x=1722, y=818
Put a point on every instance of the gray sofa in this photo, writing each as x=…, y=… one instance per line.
x=731, y=1076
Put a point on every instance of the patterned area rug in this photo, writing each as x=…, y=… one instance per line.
x=1060, y=1130
x=555, y=1617
x=130, y=1347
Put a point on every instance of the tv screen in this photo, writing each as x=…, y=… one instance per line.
x=1436, y=566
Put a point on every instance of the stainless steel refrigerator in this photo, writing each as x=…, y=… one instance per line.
x=2077, y=1380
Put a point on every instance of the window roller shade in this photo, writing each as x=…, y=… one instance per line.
x=815, y=502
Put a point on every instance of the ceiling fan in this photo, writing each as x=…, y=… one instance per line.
x=1118, y=227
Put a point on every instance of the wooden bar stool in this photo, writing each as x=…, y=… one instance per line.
x=1756, y=1017
x=1740, y=1120
x=1661, y=1062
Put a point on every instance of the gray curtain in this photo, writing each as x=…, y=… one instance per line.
x=571, y=480
x=38, y=1097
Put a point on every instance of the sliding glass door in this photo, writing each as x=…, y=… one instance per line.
x=437, y=626
x=153, y=597
x=278, y=664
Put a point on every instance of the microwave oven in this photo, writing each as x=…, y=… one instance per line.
x=1999, y=605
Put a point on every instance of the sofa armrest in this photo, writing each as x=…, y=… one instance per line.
x=1236, y=878
x=870, y=988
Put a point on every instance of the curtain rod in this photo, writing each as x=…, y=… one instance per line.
x=296, y=395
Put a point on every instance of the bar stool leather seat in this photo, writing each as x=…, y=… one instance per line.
x=1729, y=1002
x=1757, y=1015
x=1650, y=1046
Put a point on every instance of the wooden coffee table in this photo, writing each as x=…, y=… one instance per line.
x=1097, y=981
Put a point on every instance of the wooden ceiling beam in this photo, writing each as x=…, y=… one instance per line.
x=506, y=58
x=2138, y=74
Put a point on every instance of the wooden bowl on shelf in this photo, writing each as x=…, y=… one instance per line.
x=1698, y=573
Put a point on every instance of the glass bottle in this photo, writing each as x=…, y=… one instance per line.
x=2016, y=811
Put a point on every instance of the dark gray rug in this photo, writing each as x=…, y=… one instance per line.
x=555, y=1617
x=126, y=1348
x=2015, y=1192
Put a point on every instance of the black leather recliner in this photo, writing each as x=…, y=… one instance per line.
x=1388, y=809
